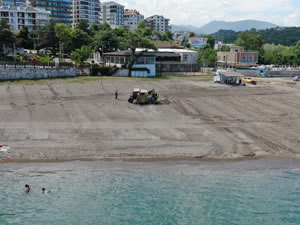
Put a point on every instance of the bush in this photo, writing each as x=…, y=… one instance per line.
x=98, y=70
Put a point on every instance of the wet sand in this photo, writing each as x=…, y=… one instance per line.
x=198, y=120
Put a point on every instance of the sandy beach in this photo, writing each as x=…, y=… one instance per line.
x=64, y=121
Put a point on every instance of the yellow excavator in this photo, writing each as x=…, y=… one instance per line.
x=142, y=96
x=248, y=80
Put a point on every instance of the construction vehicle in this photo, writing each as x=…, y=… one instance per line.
x=142, y=96
x=248, y=81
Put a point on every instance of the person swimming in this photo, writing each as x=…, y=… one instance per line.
x=27, y=188
x=44, y=191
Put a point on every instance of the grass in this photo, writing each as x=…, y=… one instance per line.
x=24, y=82
x=44, y=58
x=89, y=79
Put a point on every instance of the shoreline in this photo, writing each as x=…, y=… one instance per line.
x=149, y=159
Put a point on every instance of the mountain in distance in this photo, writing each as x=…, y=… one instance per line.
x=188, y=28
x=237, y=26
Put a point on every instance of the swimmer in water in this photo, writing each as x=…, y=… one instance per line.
x=44, y=191
x=27, y=188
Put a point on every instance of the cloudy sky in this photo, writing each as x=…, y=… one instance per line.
x=200, y=12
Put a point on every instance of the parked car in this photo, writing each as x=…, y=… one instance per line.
x=296, y=78
x=45, y=51
x=32, y=59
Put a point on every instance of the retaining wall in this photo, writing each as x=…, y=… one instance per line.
x=285, y=73
x=36, y=73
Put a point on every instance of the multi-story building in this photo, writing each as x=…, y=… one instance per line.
x=61, y=10
x=237, y=56
x=198, y=42
x=113, y=14
x=18, y=17
x=159, y=23
x=132, y=18
x=13, y=3
x=88, y=10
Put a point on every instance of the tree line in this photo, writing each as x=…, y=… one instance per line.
x=269, y=53
x=81, y=41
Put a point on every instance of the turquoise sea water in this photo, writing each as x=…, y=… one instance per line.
x=111, y=193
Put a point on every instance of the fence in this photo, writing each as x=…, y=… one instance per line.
x=5, y=65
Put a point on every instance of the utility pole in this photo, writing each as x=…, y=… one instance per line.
x=14, y=53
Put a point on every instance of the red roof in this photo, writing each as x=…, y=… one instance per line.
x=131, y=12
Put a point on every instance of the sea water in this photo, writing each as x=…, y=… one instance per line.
x=112, y=193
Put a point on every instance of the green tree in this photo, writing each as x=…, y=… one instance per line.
x=250, y=40
x=23, y=39
x=170, y=35
x=46, y=37
x=6, y=37
x=164, y=37
x=211, y=40
x=207, y=56
x=192, y=34
x=79, y=38
x=95, y=28
x=143, y=29
x=83, y=25
x=80, y=55
x=279, y=54
x=106, y=41
x=296, y=51
x=134, y=40
x=64, y=34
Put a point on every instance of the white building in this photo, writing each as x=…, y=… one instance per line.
x=113, y=14
x=159, y=23
x=88, y=10
x=18, y=17
x=198, y=42
x=132, y=18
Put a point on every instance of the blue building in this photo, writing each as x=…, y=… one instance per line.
x=61, y=10
x=13, y=3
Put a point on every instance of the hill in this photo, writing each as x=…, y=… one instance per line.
x=188, y=28
x=242, y=25
x=215, y=26
x=287, y=36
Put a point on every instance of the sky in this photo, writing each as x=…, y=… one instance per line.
x=200, y=12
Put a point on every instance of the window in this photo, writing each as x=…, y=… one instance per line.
x=251, y=59
x=140, y=60
x=244, y=59
x=150, y=60
x=185, y=58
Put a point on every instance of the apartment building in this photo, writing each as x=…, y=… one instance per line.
x=132, y=18
x=13, y=3
x=88, y=10
x=61, y=10
x=113, y=14
x=197, y=42
x=18, y=17
x=159, y=23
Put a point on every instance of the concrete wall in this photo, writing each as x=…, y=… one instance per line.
x=292, y=73
x=36, y=73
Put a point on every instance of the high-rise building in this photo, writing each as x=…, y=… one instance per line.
x=132, y=18
x=88, y=10
x=61, y=10
x=18, y=17
x=113, y=14
x=159, y=23
x=13, y=3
